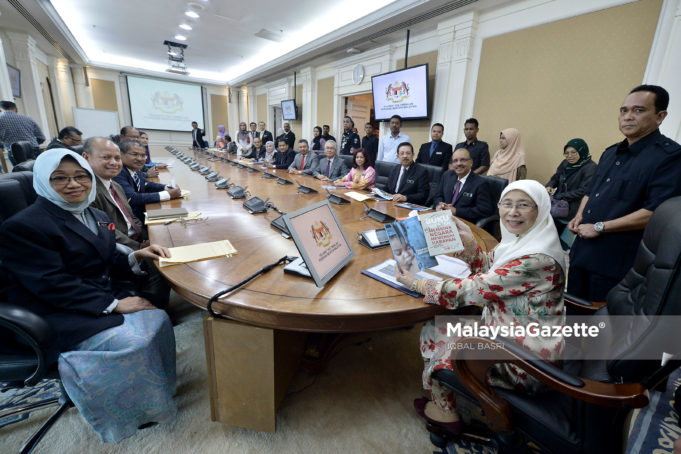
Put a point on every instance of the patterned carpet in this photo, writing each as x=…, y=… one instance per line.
x=46, y=389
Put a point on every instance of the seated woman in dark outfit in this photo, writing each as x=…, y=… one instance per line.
x=117, y=360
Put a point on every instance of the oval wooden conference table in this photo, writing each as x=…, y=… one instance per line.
x=252, y=356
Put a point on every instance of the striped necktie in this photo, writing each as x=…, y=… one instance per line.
x=137, y=181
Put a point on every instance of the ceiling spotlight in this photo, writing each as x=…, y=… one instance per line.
x=181, y=37
x=191, y=14
x=185, y=27
x=353, y=50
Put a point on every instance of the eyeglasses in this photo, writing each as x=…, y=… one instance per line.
x=571, y=153
x=137, y=155
x=521, y=206
x=76, y=139
x=456, y=161
x=61, y=180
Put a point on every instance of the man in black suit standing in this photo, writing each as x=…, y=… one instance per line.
x=197, y=136
x=408, y=182
x=464, y=192
x=265, y=135
x=370, y=141
x=288, y=136
x=436, y=152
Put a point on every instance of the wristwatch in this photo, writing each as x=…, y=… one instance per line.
x=599, y=227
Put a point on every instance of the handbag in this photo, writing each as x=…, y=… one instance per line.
x=559, y=208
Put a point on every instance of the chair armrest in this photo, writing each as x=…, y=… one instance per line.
x=484, y=221
x=471, y=366
x=581, y=305
x=36, y=333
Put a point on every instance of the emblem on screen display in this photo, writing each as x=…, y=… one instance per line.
x=321, y=234
x=397, y=92
x=166, y=102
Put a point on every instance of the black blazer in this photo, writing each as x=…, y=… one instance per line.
x=63, y=272
x=138, y=200
x=572, y=189
x=415, y=184
x=56, y=143
x=284, y=160
x=441, y=155
x=475, y=199
x=199, y=138
x=265, y=137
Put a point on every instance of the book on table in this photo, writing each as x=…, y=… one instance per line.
x=165, y=213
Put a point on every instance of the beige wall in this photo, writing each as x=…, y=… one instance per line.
x=324, y=103
x=261, y=102
x=104, y=94
x=419, y=130
x=218, y=113
x=297, y=126
x=563, y=80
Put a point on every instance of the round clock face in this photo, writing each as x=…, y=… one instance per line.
x=358, y=74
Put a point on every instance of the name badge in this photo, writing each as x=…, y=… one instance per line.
x=438, y=152
x=410, y=181
x=468, y=194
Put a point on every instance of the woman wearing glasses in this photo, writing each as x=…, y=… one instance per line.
x=117, y=351
x=519, y=281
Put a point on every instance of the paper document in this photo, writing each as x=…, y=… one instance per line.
x=197, y=252
x=357, y=196
x=380, y=194
x=449, y=266
x=191, y=216
x=185, y=193
x=385, y=272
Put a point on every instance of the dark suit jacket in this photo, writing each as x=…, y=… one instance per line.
x=107, y=204
x=147, y=194
x=441, y=155
x=63, y=272
x=57, y=144
x=338, y=168
x=415, y=184
x=266, y=136
x=573, y=188
x=199, y=138
x=283, y=160
x=475, y=199
x=290, y=139
x=255, y=153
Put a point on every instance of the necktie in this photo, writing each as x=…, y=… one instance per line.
x=399, y=181
x=125, y=212
x=433, y=146
x=302, y=163
x=137, y=181
x=328, y=167
x=456, y=192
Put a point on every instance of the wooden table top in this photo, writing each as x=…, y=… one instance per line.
x=350, y=302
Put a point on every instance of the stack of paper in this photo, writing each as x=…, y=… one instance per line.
x=198, y=252
x=185, y=193
x=191, y=216
x=357, y=196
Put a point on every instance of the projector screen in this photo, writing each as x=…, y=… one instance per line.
x=403, y=93
x=165, y=105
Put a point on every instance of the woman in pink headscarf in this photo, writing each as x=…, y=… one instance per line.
x=509, y=160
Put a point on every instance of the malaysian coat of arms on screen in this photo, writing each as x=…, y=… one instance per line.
x=321, y=234
x=168, y=103
x=397, y=92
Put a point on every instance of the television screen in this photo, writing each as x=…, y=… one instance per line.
x=403, y=93
x=289, y=110
x=163, y=104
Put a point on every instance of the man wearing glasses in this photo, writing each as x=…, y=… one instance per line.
x=463, y=192
x=138, y=189
x=69, y=137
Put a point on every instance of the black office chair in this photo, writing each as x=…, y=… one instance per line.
x=347, y=159
x=22, y=151
x=586, y=409
x=434, y=174
x=383, y=169
x=28, y=352
x=491, y=223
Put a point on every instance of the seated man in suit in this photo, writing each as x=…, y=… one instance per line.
x=465, y=193
x=330, y=167
x=138, y=189
x=436, y=152
x=408, y=182
x=256, y=150
x=304, y=162
x=68, y=138
x=284, y=155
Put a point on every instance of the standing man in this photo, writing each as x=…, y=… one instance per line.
x=350, y=140
x=137, y=188
x=325, y=133
x=15, y=127
x=265, y=135
x=304, y=162
x=408, y=182
x=387, y=148
x=478, y=149
x=197, y=136
x=632, y=179
x=253, y=132
x=370, y=141
x=330, y=167
x=436, y=152
x=68, y=138
x=288, y=136
x=284, y=155
x=465, y=193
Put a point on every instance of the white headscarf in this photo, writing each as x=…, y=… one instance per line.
x=45, y=164
x=541, y=238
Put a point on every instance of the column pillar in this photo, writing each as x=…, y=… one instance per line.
x=232, y=110
x=5, y=86
x=308, y=100
x=83, y=93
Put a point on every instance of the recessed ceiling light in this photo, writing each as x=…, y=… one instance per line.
x=185, y=27
x=191, y=14
x=181, y=37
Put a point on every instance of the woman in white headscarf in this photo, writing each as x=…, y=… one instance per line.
x=519, y=281
x=117, y=351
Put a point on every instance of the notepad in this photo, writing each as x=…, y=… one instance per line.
x=198, y=252
x=165, y=213
x=357, y=196
x=185, y=193
x=191, y=216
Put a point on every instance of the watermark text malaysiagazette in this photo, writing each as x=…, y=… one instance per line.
x=532, y=329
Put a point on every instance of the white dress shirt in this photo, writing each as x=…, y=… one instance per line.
x=387, y=148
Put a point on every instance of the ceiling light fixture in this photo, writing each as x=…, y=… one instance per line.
x=191, y=14
x=185, y=27
x=176, y=63
x=181, y=37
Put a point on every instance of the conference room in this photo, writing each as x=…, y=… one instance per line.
x=278, y=345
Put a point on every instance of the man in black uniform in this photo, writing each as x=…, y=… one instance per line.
x=632, y=179
x=478, y=149
x=370, y=141
x=350, y=139
x=325, y=133
x=288, y=136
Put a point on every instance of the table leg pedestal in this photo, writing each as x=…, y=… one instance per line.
x=249, y=371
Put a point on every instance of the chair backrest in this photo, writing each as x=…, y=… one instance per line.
x=383, y=169
x=22, y=151
x=497, y=186
x=24, y=166
x=434, y=174
x=16, y=193
x=347, y=159
x=651, y=288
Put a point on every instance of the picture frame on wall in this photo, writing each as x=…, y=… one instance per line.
x=14, y=80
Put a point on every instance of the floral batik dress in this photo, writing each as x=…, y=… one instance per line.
x=523, y=289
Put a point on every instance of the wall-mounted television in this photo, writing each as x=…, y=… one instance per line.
x=289, y=110
x=403, y=93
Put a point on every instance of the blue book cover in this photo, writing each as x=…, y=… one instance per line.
x=409, y=246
